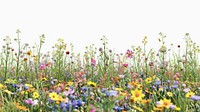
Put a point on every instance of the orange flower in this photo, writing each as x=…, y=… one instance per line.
x=29, y=53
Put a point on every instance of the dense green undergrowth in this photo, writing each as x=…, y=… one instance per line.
x=99, y=80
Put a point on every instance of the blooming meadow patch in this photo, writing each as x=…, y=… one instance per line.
x=100, y=80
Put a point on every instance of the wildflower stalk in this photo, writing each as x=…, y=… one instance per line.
x=19, y=53
x=7, y=56
x=42, y=37
x=145, y=57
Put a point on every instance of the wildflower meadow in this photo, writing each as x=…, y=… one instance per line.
x=99, y=80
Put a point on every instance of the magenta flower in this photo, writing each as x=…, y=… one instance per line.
x=93, y=62
x=125, y=65
x=42, y=67
x=129, y=53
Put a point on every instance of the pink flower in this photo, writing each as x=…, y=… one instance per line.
x=129, y=53
x=125, y=65
x=93, y=109
x=42, y=67
x=93, y=62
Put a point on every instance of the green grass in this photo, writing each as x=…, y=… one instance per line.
x=99, y=80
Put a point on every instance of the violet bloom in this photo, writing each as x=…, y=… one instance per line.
x=195, y=98
x=172, y=106
x=111, y=93
x=174, y=86
x=69, y=92
x=186, y=90
x=30, y=101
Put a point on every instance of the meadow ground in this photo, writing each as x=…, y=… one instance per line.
x=99, y=80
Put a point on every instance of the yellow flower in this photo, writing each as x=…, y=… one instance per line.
x=67, y=88
x=70, y=83
x=160, y=89
x=2, y=86
x=165, y=103
x=10, y=81
x=35, y=95
x=145, y=101
x=28, y=85
x=90, y=83
x=138, y=108
x=137, y=94
x=21, y=108
x=122, y=93
x=158, y=108
x=59, y=99
x=138, y=86
x=7, y=91
x=43, y=79
x=189, y=94
x=53, y=96
x=30, y=90
x=24, y=92
x=178, y=108
x=148, y=80
x=170, y=94
x=118, y=89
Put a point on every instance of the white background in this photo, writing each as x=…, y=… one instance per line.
x=84, y=22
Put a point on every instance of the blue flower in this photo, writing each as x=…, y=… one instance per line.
x=111, y=93
x=195, y=98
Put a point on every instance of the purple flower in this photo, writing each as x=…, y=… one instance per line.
x=174, y=86
x=157, y=82
x=172, y=106
x=30, y=101
x=63, y=105
x=111, y=93
x=176, y=82
x=195, y=98
x=186, y=90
